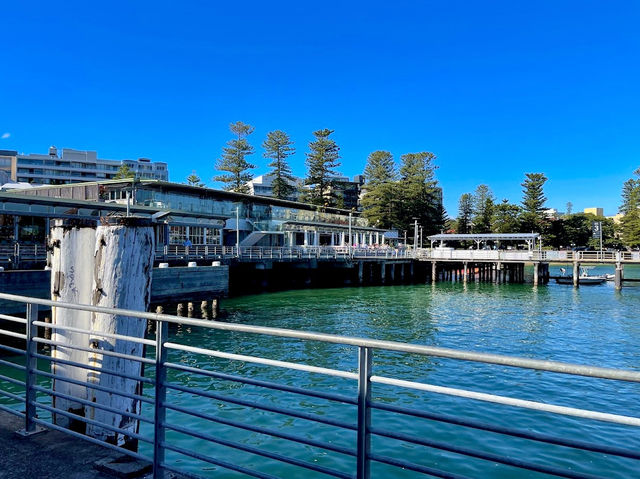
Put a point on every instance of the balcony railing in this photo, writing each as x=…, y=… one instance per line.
x=362, y=403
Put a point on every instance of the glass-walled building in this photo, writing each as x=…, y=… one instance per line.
x=203, y=216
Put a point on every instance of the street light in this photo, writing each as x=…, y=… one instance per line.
x=349, y=232
x=415, y=234
x=238, y=231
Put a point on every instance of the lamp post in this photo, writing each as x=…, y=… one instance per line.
x=415, y=234
x=238, y=231
x=349, y=233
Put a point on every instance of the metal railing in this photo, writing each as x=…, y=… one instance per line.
x=451, y=254
x=179, y=252
x=362, y=391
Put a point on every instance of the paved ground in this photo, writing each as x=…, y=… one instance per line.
x=49, y=455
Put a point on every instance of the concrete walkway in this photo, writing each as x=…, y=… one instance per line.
x=52, y=455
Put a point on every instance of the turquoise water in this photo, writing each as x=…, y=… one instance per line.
x=591, y=325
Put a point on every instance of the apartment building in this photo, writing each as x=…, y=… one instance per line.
x=73, y=166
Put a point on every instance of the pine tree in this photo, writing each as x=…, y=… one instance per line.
x=234, y=161
x=533, y=199
x=194, y=180
x=278, y=147
x=506, y=218
x=322, y=160
x=379, y=201
x=630, y=208
x=420, y=194
x=465, y=214
x=483, y=206
x=124, y=172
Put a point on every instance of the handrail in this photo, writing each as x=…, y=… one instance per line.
x=361, y=403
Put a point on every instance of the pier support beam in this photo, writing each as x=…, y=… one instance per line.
x=619, y=276
x=576, y=274
x=360, y=272
x=72, y=246
x=434, y=271
x=121, y=279
x=536, y=266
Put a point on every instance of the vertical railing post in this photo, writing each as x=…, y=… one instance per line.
x=30, y=374
x=162, y=333
x=364, y=413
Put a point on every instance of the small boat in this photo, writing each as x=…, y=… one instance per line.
x=584, y=278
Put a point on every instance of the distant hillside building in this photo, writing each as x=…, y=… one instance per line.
x=594, y=211
x=263, y=186
x=73, y=166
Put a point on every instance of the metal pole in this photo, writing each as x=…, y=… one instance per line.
x=364, y=413
x=31, y=364
x=415, y=235
x=349, y=233
x=128, y=193
x=600, y=239
x=238, y=231
x=162, y=335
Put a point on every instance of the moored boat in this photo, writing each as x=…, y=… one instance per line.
x=584, y=278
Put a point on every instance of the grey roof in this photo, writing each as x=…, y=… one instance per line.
x=486, y=237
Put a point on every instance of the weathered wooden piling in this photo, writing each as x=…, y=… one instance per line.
x=190, y=309
x=71, y=245
x=576, y=274
x=619, y=274
x=180, y=310
x=215, y=308
x=204, y=310
x=121, y=279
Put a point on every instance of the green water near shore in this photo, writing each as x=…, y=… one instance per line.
x=591, y=325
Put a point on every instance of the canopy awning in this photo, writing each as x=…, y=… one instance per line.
x=486, y=237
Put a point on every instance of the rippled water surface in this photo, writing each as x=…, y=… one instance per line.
x=591, y=325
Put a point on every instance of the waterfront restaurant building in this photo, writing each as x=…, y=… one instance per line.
x=201, y=216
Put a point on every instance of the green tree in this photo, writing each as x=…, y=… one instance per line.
x=194, y=180
x=569, y=207
x=465, y=214
x=322, y=160
x=234, y=160
x=506, y=218
x=124, y=172
x=379, y=201
x=278, y=147
x=420, y=194
x=533, y=199
x=483, y=205
x=630, y=208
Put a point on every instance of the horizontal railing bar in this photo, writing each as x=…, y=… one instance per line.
x=486, y=456
x=92, y=350
x=533, y=436
x=122, y=450
x=17, y=382
x=242, y=402
x=12, y=350
x=15, y=397
x=93, y=422
x=415, y=467
x=266, y=384
x=263, y=430
x=211, y=460
x=95, y=368
x=11, y=411
x=263, y=361
x=13, y=334
x=97, y=387
x=13, y=319
x=537, y=364
x=12, y=365
x=508, y=401
x=96, y=405
x=258, y=452
x=73, y=329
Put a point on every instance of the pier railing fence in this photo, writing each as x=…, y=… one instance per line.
x=373, y=416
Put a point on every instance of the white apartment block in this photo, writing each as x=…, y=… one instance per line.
x=74, y=166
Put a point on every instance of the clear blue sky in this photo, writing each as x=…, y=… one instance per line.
x=494, y=89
